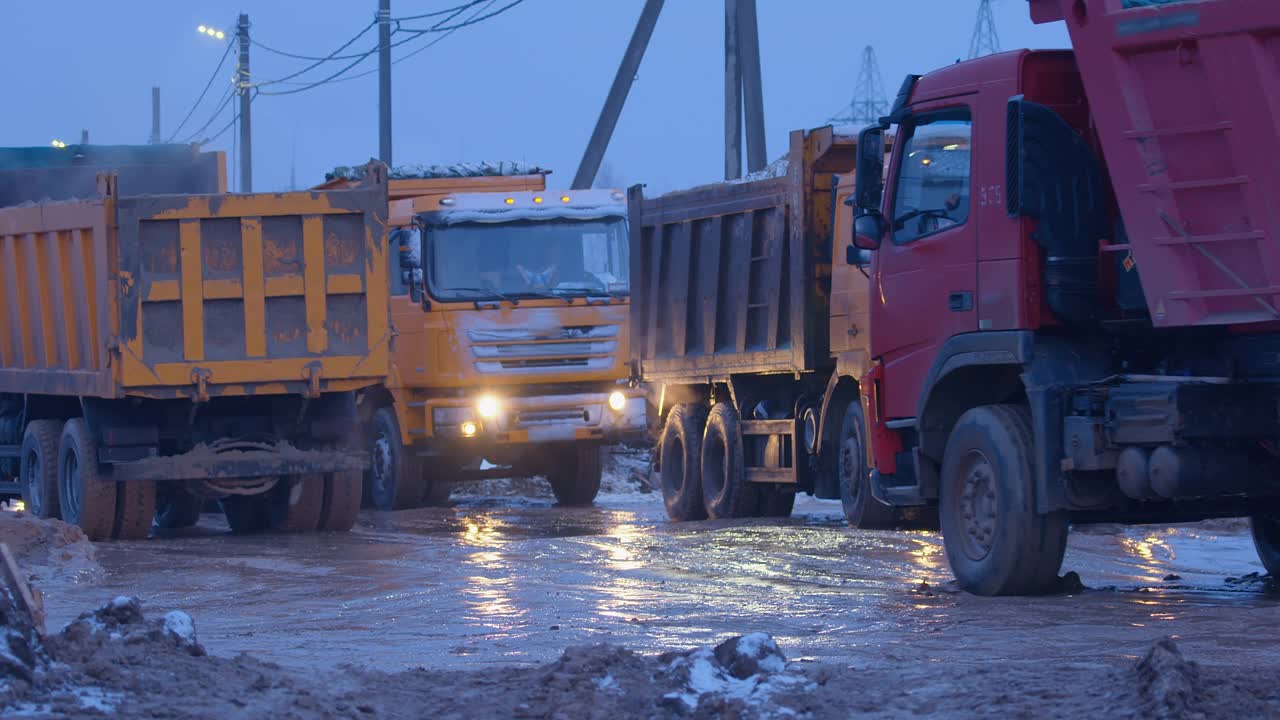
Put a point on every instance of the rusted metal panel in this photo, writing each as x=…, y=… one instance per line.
x=736, y=277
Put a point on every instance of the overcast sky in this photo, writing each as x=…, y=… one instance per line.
x=526, y=85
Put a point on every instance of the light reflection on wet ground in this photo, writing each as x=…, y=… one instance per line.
x=509, y=580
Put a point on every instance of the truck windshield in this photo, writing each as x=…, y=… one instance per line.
x=528, y=258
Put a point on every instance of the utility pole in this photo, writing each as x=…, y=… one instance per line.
x=246, y=134
x=732, y=94
x=84, y=137
x=617, y=97
x=155, y=115
x=752, y=88
x=384, y=81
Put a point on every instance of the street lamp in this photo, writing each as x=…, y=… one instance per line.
x=58, y=144
x=211, y=32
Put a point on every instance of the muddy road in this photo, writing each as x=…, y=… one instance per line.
x=506, y=580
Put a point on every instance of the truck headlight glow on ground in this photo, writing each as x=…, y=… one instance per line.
x=488, y=406
x=617, y=401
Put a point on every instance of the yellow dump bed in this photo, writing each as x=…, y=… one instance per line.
x=195, y=295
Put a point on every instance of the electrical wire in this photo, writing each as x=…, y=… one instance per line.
x=320, y=61
x=222, y=105
x=194, y=107
x=469, y=21
x=397, y=61
x=438, y=13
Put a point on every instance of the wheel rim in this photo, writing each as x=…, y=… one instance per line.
x=978, y=505
x=673, y=466
x=714, y=474
x=35, y=489
x=71, y=486
x=849, y=461
x=380, y=465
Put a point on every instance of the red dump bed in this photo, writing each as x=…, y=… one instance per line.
x=1186, y=97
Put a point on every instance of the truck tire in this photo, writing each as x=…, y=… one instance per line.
x=395, y=477
x=176, y=509
x=725, y=491
x=38, y=468
x=247, y=514
x=777, y=502
x=680, y=460
x=296, y=504
x=575, y=473
x=860, y=508
x=135, y=510
x=341, y=504
x=996, y=542
x=85, y=498
x=1266, y=538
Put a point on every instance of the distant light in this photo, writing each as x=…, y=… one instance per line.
x=950, y=147
x=511, y=201
x=926, y=161
x=220, y=35
x=564, y=198
x=469, y=428
x=537, y=201
x=202, y=29
x=58, y=144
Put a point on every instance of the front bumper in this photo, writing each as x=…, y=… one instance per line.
x=539, y=419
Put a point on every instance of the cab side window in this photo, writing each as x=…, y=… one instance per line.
x=932, y=190
x=406, y=266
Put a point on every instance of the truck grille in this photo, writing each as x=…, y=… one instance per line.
x=589, y=348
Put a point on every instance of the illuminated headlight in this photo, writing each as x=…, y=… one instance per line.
x=617, y=401
x=488, y=406
x=469, y=429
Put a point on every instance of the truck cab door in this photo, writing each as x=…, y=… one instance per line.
x=926, y=270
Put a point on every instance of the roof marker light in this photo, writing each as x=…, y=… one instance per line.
x=447, y=202
x=564, y=198
x=510, y=201
x=537, y=201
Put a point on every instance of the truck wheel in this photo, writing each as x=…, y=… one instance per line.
x=296, y=503
x=176, y=508
x=38, y=468
x=996, y=542
x=860, y=508
x=341, y=504
x=135, y=510
x=681, y=463
x=725, y=490
x=85, y=498
x=777, y=502
x=395, y=477
x=1266, y=538
x=247, y=514
x=575, y=475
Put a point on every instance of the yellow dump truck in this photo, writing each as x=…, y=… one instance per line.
x=160, y=350
x=509, y=308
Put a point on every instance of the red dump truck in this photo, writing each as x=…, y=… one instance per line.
x=1076, y=283
x=751, y=340
x=160, y=350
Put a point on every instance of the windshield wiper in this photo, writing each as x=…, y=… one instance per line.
x=486, y=291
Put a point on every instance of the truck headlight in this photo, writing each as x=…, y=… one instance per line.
x=469, y=429
x=488, y=406
x=617, y=401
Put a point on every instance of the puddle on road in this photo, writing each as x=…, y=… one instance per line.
x=512, y=580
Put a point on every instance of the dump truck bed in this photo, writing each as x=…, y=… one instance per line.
x=736, y=277
x=1183, y=94
x=194, y=295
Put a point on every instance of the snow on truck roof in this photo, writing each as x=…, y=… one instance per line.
x=419, y=171
x=550, y=205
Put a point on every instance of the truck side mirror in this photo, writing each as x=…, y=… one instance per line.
x=869, y=175
x=868, y=229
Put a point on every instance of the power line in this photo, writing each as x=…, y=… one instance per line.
x=332, y=56
x=222, y=105
x=226, y=53
x=455, y=10
x=445, y=31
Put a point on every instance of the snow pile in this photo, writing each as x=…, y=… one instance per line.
x=421, y=171
x=776, y=169
x=741, y=671
x=625, y=472
x=121, y=621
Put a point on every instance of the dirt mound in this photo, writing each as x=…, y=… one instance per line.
x=624, y=473
x=1168, y=682
x=46, y=547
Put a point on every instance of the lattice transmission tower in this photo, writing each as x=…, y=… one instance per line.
x=869, y=102
x=986, y=41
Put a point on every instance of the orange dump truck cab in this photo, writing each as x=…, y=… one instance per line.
x=509, y=307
